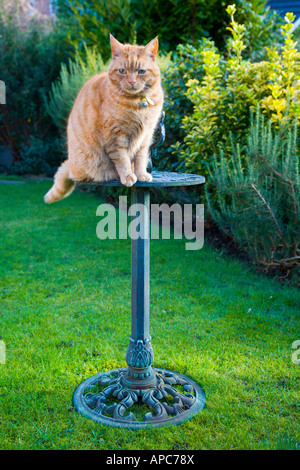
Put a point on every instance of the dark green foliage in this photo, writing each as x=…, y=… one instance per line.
x=257, y=195
x=175, y=22
x=40, y=156
x=132, y=21
x=30, y=60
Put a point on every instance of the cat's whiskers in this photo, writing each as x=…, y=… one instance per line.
x=146, y=88
x=113, y=94
x=118, y=97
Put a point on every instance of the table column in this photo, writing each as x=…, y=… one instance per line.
x=139, y=355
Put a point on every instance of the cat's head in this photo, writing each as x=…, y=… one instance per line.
x=133, y=68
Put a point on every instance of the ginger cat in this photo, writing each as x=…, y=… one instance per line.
x=111, y=125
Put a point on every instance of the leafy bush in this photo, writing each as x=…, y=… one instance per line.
x=258, y=194
x=71, y=78
x=175, y=22
x=31, y=57
x=33, y=157
x=187, y=64
x=231, y=85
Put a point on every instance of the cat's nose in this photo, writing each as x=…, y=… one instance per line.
x=132, y=82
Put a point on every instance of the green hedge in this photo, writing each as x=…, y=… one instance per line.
x=89, y=22
x=31, y=59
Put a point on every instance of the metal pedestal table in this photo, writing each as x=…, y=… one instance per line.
x=167, y=397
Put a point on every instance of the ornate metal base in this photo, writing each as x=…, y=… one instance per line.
x=140, y=396
x=107, y=396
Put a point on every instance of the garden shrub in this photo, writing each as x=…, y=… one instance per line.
x=72, y=77
x=231, y=85
x=175, y=22
x=187, y=63
x=31, y=57
x=257, y=194
x=40, y=157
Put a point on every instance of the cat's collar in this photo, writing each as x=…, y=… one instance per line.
x=145, y=101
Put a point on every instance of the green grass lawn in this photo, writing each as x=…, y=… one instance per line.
x=65, y=315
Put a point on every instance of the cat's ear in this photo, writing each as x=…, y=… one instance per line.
x=151, y=48
x=116, y=47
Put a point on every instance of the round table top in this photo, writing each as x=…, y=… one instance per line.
x=160, y=179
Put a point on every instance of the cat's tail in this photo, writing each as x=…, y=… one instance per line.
x=63, y=185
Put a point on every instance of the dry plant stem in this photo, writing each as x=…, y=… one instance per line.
x=270, y=212
x=286, y=181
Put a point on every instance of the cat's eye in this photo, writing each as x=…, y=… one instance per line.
x=122, y=71
x=141, y=71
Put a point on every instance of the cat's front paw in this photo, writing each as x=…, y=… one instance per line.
x=144, y=176
x=129, y=180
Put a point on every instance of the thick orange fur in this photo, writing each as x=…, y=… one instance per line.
x=109, y=132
